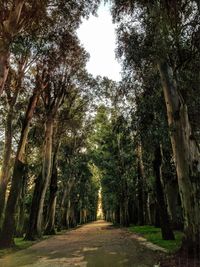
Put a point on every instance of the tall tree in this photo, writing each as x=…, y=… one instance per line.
x=161, y=24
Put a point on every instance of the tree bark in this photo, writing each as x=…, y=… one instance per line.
x=143, y=187
x=51, y=210
x=140, y=198
x=10, y=27
x=167, y=233
x=187, y=158
x=4, y=64
x=36, y=216
x=4, y=178
x=20, y=218
x=124, y=213
x=11, y=101
x=65, y=203
x=8, y=228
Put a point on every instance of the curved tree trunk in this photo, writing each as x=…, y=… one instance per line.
x=187, y=158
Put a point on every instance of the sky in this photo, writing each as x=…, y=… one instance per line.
x=97, y=35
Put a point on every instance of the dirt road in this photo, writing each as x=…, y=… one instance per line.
x=97, y=244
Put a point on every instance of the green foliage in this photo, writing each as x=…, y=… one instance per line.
x=154, y=235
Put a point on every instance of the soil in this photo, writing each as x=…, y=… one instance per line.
x=180, y=260
x=96, y=244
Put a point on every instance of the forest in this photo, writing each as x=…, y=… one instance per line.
x=67, y=137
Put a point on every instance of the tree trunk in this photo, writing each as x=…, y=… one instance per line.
x=143, y=187
x=36, y=215
x=51, y=210
x=140, y=197
x=4, y=64
x=172, y=194
x=8, y=228
x=21, y=206
x=11, y=101
x=10, y=28
x=167, y=233
x=4, y=178
x=187, y=158
x=124, y=213
x=66, y=202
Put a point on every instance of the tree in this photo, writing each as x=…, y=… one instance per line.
x=161, y=25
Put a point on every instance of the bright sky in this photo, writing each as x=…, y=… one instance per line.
x=97, y=34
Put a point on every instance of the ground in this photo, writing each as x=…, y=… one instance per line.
x=96, y=244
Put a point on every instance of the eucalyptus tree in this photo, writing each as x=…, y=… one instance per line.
x=74, y=150
x=25, y=52
x=18, y=169
x=63, y=76
x=164, y=33
x=69, y=122
x=16, y=17
x=19, y=16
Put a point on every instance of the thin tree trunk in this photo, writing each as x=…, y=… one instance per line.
x=124, y=203
x=65, y=202
x=167, y=233
x=4, y=64
x=140, y=196
x=36, y=216
x=4, y=178
x=143, y=187
x=187, y=158
x=6, y=236
x=21, y=206
x=124, y=213
x=51, y=210
x=64, y=207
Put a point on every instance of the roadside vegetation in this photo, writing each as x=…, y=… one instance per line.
x=154, y=235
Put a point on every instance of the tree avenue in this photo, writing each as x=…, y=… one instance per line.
x=69, y=139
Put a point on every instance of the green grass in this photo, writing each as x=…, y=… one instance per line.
x=153, y=235
x=20, y=244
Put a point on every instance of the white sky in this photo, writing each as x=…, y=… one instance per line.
x=97, y=34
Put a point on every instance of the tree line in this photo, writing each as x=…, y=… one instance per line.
x=149, y=136
x=45, y=98
x=66, y=134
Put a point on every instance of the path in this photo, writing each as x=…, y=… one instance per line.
x=96, y=244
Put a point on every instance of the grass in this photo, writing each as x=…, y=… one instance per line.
x=154, y=235
x=20, y=244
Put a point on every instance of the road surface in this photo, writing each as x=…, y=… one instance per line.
x=96, y=244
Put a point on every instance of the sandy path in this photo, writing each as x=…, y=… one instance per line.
x=95, y=244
